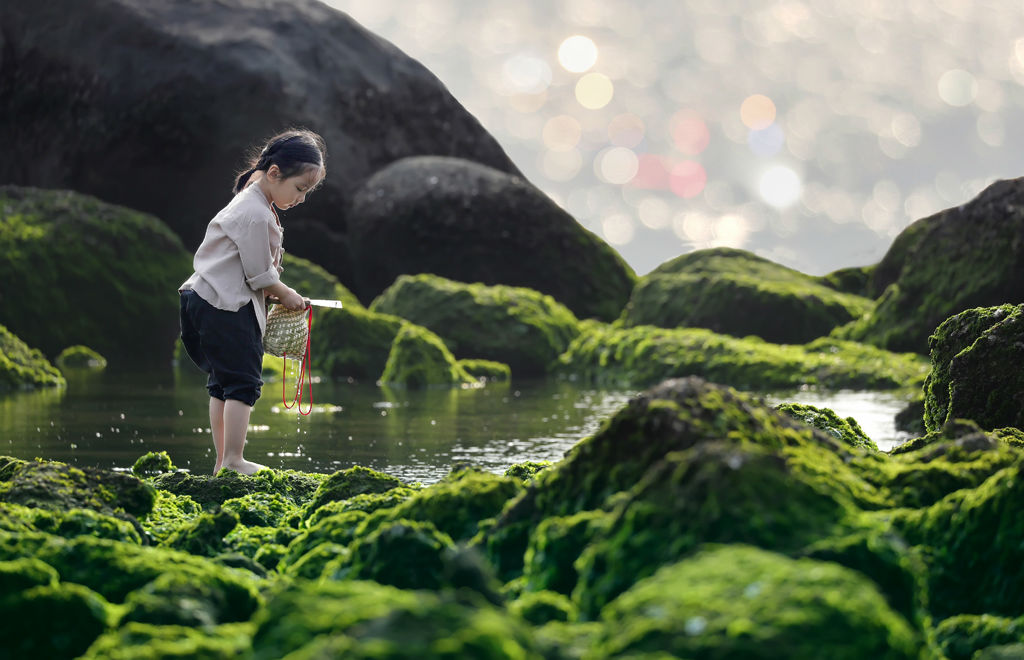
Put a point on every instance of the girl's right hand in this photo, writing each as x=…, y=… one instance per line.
x=293, y=301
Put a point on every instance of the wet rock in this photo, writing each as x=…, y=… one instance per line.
x=365, y=502
x=964, y=257
x=418, y=359
x=517, y=326
x=470, y=223
x=177, y=599
x=80, y=357
x=22, y=367
x=737, y=601
x=104, y=271
x=911, y=418
x=365, y=619
x=644, y=355
x=92, y=102
x=264, y=510
x=204, y=535
x=297, y=487
x=169, y=513
x=60, y=487
x=846, y=430
x=153, y=463
x=71, y=523
x=738, y=293
x=51, y=621
x=348, y=483
x=338, y=530
x=527, y=470
x=554, y=547
x=353, y=343
x=971, y=376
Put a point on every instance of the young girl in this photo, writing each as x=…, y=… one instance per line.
x=237, y=267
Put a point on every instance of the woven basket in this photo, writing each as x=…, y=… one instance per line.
x=287, y=332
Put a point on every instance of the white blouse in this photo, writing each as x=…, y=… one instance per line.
x=240, y=255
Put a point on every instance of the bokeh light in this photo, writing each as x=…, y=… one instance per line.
x=577, y=54
x=617, y=165
x=689, y=132
x=562, y=165
x=654, y=213
x=766, y=142
x=652, y=173
x=779, y=186
x=562, y=133
x=957, y=87
x=626, y=130
x=687, y=179
x=594, y=91
x=617, y=228
x=757, y=112
x=526, y=74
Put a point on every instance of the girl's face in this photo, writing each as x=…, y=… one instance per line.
x=286, y=193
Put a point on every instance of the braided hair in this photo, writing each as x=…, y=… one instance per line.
x=293, y=151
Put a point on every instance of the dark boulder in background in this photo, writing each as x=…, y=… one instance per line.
x=471, y=223
x=153, y=104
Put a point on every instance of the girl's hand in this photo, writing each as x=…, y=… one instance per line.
x=293, y=301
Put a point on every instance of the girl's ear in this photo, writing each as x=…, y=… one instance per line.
x=273, y=173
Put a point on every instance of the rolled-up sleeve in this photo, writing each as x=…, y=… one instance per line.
x=252, y=236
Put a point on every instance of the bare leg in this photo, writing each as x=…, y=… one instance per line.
x=236, y=423
x=217, y=428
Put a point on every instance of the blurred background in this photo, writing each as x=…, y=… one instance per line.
x=809, y=132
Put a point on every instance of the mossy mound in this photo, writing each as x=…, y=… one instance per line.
x=366, y=503
x=554, y=547
x=362, y=619
x=203, y=535
x=22, y=367
x=527, y=470
x=143, y=641
x=855, y=280
x=745, y=602
x=60, y=487
x=961, y=637
x=520, y=327
x=169, y=513
x=80, y=357
x=337, y=531
x=70, y=523
x=975, y=375
x=348, y=483
x=419, y=358
x=846, y=430
x=264, y=510
x=297, y=487
x=486, y=370
x=71, y=246
x=179, y=599
x=51, y=621
x=644, y=355
x=964, y=257
x=153, y=463
x=312, y=281
x=738, y=293
x=353, y=342
x=542, y=607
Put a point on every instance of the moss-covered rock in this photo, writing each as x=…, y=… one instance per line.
x=527, y=470
x=353, y=342
x=846, y=430
x=21, y=574
x=554, y=547
x=419, y=358
x=204, y=535
x=911, y=417
x=743, y=602
x=312, y=281
x=964, y=257
x=72, y=523
x=974, y=376
x=363, y=619
x=80, y=357
x=522, y=328
x=179, y=599
x=961, y=637
x=339, y=529
x=297, y=487
x=540, y=607
x=348, y=483
x=487, y=370
x=169, y=513
x=264, y=510
x=71, y=246
x=365, y=502
x=143, y=641
x=22, y=367
x=60, y=487
x=739, y=293
x=855, y=280
x=153, y=463
x=51, y=621
x=644, y=355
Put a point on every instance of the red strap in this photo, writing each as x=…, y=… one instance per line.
x=305, y=371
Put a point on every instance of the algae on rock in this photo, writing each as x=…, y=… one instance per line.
x=22, y=367
x=419, y=358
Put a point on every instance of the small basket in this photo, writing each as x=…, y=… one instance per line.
x=287, y=332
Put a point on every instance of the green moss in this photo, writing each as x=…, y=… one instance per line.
x=404, y=554
x=60, y=487
x=51, y=621
x=21, y=574
x=204, y=535
x=75, y=522
x=353, y=343
x=960, y=637
x=339, y=529
x=540, y=607
x=170, y=512
x=248, y=541
x=345, y=484
x=738, y=293
x=263, y=509
x=972, y=374
x=80, y=357
x=527, y=470
x=70, y=246
x=143, y=641
x=554, y=547
x=366, y=502
x=520, y=327
x=312, y=281
x=362, y=619
x=22, y=367
x=847, y=430
x=486, y=370
x=153, y=463
x=419, y=358
x=742, y=602
x=297, y=487
x=178, y=599
x=855, y=280
x=644, y=355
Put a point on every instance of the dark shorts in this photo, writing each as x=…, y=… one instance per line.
x=226, y=345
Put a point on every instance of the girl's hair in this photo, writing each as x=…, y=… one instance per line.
x=293, y=151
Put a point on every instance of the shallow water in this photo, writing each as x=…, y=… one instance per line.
x=110, y=419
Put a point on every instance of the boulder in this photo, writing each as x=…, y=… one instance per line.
x=154, y=104
x=80, y=357
x=471, y=223
x=419, y=358
x=145, y=640
x=348, y=483
x=845, y=429
x=967, y=256
x=523, y=328
x=352, y=342
x=976, y=357
x=52, y=621
x=80, y=271
x=23, y=367
x=59, y=487
x=738, y=293
x=960, y=637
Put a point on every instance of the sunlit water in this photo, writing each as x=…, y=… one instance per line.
x=110, y=419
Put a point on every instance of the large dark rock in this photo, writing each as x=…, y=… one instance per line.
x=471, y=223
x=964, y=257
x=153, y=104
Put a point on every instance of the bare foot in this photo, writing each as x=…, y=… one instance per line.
x=216, y=469
x=243, y=466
